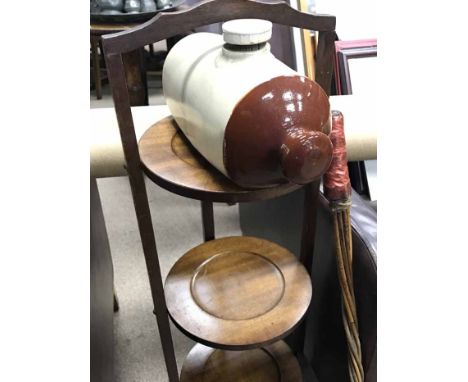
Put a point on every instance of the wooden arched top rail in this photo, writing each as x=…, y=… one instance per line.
x=169, y=24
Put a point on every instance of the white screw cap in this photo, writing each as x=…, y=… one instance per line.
x=247, y=31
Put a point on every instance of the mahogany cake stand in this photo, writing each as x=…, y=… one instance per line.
x=236, y=296
x=233, y=282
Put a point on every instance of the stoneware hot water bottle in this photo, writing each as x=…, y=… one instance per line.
x=252, y=117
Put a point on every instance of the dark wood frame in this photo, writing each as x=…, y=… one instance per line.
x=350, y=47
x=348, y=50
x=344, y=55
x=161, y=27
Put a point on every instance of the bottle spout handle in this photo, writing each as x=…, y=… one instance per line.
x=305, y=155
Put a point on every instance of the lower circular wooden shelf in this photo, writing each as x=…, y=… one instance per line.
x=237, y=293
x=272, y=363
x=170, y=161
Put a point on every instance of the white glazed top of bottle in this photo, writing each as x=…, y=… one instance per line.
x=247, y=31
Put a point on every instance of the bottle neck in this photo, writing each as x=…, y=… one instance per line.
x=232, y=51
x=244, y=48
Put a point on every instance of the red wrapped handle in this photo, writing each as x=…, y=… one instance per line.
x=336, y=184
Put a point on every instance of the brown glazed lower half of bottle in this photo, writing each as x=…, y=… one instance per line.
x=278, y=133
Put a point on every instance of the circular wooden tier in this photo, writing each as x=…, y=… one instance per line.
x=170, y=161
x=237, y=293
x=272, y=363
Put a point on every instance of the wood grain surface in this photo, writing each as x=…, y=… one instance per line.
x=206, y=12
x=273, y=363
x=237, y=293
x=173, y=163
x=100, y=29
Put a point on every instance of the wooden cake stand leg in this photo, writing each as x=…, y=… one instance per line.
x=148, y=240
x=323, y=76
x=116, y=70
x=136, y=77
x=208, y=220
x=309, y=222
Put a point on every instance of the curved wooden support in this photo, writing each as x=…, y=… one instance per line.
x=168, y=24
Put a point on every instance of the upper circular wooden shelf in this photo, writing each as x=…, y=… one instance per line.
x=237, y=293
x=272, y=363
x=170, y=161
